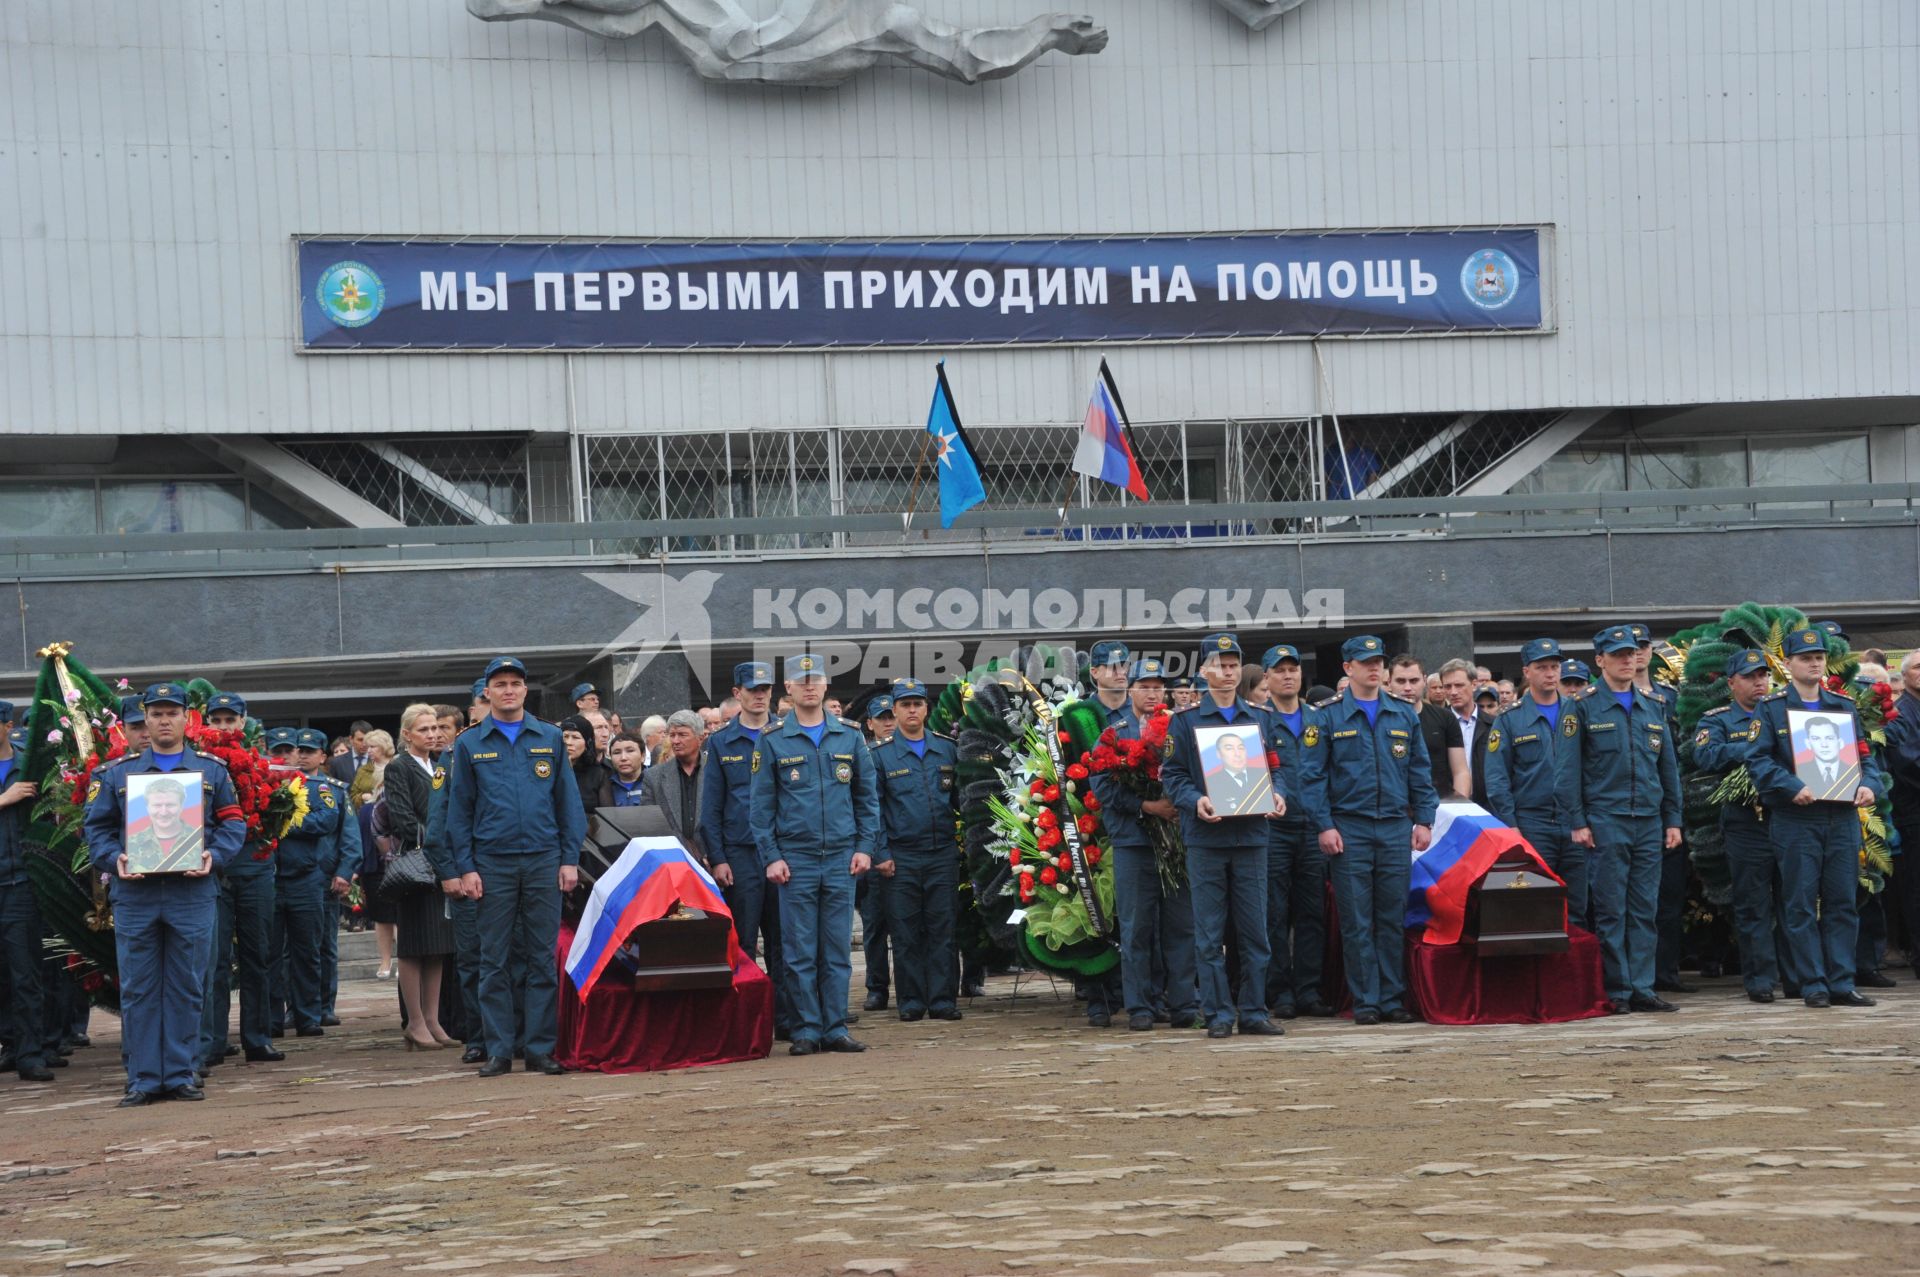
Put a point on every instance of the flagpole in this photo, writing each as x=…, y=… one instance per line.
x=913, y=497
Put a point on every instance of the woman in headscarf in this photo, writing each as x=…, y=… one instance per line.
x=576, y=731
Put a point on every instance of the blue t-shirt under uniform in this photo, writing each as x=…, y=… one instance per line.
x=1370, y=708
x=1230, y=712
x=1626, y=700
x=1292, y=720
x=168, y=762
x=511, y=730
x=815, y=733
x=1551, y=713
x=919, y=747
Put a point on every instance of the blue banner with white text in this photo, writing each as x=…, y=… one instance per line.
x=429, y=296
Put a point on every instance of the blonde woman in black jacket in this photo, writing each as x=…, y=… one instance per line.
x=426, y=933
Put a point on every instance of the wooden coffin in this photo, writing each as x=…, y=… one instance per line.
x=687, y=949
x=1516, y=910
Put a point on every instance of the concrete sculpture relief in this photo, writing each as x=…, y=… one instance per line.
x=814, y=43
x=1259, y=14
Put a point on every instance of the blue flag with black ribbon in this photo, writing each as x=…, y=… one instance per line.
x=960, y=485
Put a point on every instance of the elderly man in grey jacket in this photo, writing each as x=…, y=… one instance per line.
x=674, y=785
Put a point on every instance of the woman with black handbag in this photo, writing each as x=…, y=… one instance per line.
x=426, y=933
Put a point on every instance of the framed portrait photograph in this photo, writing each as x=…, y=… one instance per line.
x=1826, y=753
x=1234, y=760
x=166, y=826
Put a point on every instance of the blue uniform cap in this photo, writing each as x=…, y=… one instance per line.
x=751, y=674
x=1280, y=652
x=880, y=703
x=1540, y=649
x=1746, y=662
x=18, y=738
x=310, y=738
x=1809, y=640
x=1642, y=633
x=1487, y=692
x=1831, y=627
x=1219, y=645
x=1363, y=647
x=165, y=694
x=1576, y=671
x=907, y=688
x=500, y=665
x=1109, y=652
x=6, y=711
x=582, y=689
x=232, y=701
x=1616, y=638
x=1147, y=667
x=803, y=666
x=281, y=737
x=131, y=710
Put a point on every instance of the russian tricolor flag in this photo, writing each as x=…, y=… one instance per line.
x=1105, y=451
x=1467, y=839
x=650, y=878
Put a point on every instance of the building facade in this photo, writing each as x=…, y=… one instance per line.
x=1725, y=197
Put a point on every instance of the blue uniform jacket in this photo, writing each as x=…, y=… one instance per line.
x=625, y=795
x=1186, y=783
x=1119, y=803
x=1523, y=777
x=13, y=831
x=1299, y=756
x=1122, y=719
x=1723, y=741
x=1378, y=770
x=327, y=837
x=1771, y=759
x=105, y=824
x=919, y=798
x=512, y=797
x=434, y=841
x=1616, y=763
x=726, y=793
x=813, y=800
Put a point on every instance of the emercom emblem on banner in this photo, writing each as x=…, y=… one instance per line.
x=350, y=294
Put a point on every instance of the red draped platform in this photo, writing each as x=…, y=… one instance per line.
x=620, y=1031
x=1453, y=984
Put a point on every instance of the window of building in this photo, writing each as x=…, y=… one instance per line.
x=172, y=505
x=1809, y=462
x=48, y=509
x=1579, y=469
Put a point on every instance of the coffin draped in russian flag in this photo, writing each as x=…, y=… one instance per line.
x=1479, y=949
x=658, y=979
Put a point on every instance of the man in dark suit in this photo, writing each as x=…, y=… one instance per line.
x=1456, y=680
x=1486, y=707
x=1447, y=756
x=674, y=785
x=343, y=767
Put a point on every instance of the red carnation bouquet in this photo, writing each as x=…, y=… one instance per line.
x=1135, y=763
x=257, y=783
x=1875, y=703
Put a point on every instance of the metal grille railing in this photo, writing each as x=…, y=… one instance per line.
x=892, y=470
x=437, y=482
x=746, y=475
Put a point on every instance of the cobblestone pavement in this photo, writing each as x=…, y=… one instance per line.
x=1731, y=1138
